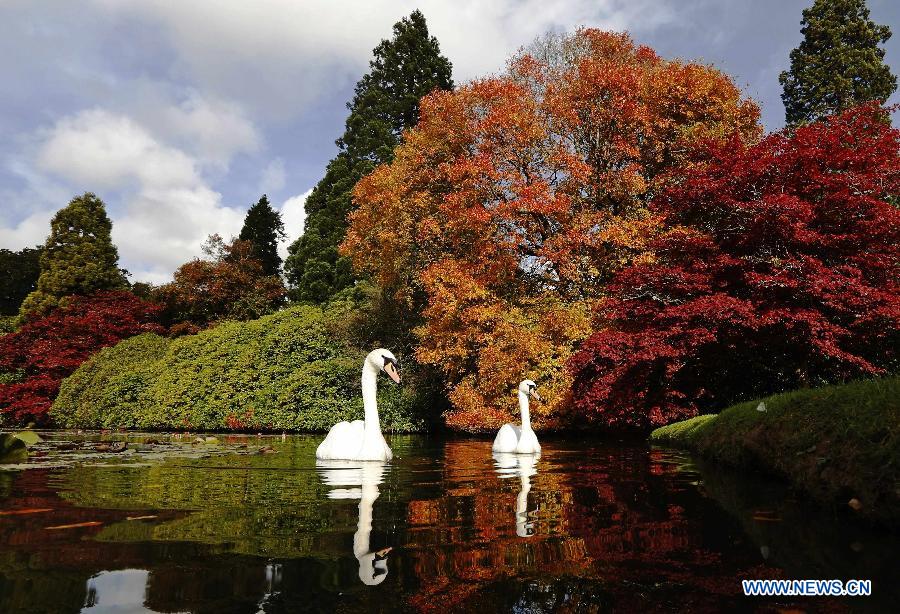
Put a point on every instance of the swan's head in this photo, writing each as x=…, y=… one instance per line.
x=384, y=360
x=529, y=388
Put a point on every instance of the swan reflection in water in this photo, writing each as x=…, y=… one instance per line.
x=510, y=465
x=359, y=480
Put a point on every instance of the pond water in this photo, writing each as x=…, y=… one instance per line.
x=252, y=524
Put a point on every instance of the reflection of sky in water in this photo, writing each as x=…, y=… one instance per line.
x=117, y=591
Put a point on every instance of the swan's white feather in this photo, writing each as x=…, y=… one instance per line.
x=344, y=441
x=528, y=443
x=507, y=438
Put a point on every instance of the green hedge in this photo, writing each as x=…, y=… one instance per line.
x=285, y=371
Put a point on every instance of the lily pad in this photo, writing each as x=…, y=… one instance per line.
x=12, y=449
x=28, y=437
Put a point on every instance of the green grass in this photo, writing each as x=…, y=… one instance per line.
x=836, y=442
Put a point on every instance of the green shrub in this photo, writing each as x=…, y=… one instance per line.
x=285, y=371
x=110, y=390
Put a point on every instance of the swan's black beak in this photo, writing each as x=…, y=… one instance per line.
x=391, y=369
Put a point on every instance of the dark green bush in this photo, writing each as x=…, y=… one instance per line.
x=285, y=371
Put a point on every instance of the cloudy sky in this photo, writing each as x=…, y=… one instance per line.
x=180, y=114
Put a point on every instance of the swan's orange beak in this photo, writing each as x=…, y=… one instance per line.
x=391, y=370
x=535, y=395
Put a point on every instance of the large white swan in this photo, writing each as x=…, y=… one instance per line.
x=373, y=567
x=524, y=466
x=520, y=440
x=362, y=439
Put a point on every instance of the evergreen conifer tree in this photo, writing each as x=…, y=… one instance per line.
x=838, y=65
x=386, y=101
x=79, y=257
x=263, y=228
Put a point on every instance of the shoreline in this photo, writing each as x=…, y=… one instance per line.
x=839, y=444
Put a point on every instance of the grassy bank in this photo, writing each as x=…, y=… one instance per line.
x=837, y=443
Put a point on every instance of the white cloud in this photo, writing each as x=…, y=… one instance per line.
x=103, y=150
x=214, y=129
x=167, y=207
x=162, y=228
x=273, y=177
x=293, y=214
x=31, y=231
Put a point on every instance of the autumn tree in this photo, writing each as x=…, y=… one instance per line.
x=515, y=199
x=781, y=272
x=838, y=64
x=19, y=273
x=263, y=228
x=79, y=257
x=385, y=103
x=36, y=358
x=229, y=284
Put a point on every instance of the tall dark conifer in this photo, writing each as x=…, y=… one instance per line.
x=18, y=277
x=838, y=65
x=263, y=228
x=386, y=102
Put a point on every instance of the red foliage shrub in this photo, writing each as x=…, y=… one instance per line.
x=230, y=286
x=47, y=349
x=781, y=271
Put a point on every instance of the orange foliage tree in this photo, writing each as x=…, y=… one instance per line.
x=515, y=199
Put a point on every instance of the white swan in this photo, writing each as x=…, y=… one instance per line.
x=362, y=439
x=520, y=440
x=372, y=565
x=522, y=465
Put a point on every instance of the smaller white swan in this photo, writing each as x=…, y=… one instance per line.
x=520, y=440
x=362, y=439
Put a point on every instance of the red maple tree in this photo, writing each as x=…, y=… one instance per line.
x=45, y=350
x=780, y=271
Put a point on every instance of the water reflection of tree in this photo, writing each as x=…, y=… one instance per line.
x=607, y=529
x=612, y=528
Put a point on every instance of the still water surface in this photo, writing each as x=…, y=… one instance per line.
x=446, y=526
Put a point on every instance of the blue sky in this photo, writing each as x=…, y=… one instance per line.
x=180, y=114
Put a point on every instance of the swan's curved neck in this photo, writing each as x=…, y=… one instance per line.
x=364, y=526
x=522, y=504
x=370, y=396
x=524, y=408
